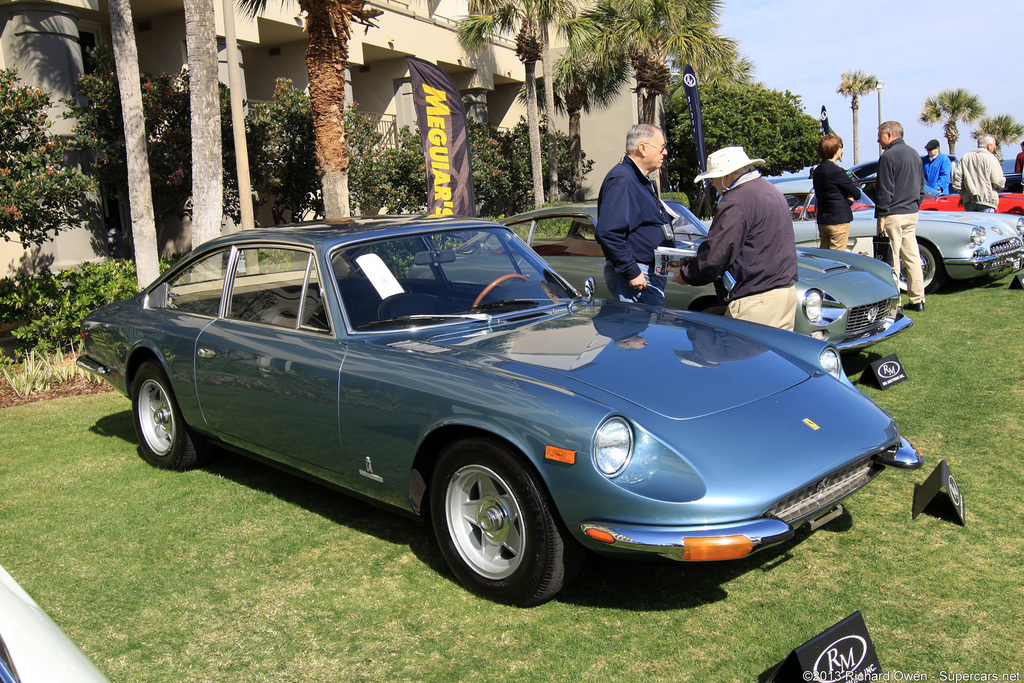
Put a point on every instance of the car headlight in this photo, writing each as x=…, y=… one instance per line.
x=812, y=305
x=830, y=363
x=613, y=446
x=977, y=235
x=1020, y=226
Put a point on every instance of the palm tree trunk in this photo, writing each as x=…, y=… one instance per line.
x=855, y=106
x=577, y=155
x=207, y=164
x=533, y=118
x=549, y=108
x=140, y=192
x=326, y=57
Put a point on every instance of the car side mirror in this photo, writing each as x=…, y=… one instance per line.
x=588, y=290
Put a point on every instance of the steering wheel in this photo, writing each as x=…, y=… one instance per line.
x=488, y=288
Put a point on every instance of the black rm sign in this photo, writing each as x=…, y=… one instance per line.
x=888, y=371
x=843, y=653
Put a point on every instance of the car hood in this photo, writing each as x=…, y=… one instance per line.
x=640, y=354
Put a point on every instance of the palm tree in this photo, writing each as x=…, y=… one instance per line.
x=204, y=97
x=329, y=25
x=653, y=32
x=140, y=192
x=950, y=106
x=529, y=20
x=854, y=84
x=1003, y=127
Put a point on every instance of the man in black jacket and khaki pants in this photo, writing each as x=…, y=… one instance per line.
x=897, y=201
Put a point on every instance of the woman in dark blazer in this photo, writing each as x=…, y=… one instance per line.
x=834, y=193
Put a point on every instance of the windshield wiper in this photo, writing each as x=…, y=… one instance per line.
x=508, y=303
x=424, y=319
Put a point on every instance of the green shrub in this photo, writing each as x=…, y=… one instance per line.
x=48, y=309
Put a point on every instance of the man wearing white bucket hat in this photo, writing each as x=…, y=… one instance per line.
x=750, y=242
x=632, y=221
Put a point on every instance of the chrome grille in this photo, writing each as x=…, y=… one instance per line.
x=1005, y=246
x=865, y=319
x=824, y=492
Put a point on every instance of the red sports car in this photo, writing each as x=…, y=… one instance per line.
x=1009, y=202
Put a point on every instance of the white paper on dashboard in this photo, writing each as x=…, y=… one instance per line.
x=380, y=277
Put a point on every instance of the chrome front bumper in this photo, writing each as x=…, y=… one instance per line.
x=898, y=325
x=762, y=533
x=999, y=264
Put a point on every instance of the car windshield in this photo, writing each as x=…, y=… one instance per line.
x=685, y=225
x=439, y=277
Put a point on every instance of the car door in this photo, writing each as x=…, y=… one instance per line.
x=267, y=370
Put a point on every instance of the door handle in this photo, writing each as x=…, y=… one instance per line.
x=205, y=353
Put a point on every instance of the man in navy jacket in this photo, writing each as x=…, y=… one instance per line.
x=631, y=220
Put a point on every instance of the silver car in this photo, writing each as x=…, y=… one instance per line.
x=847, y=299
x=954, y=245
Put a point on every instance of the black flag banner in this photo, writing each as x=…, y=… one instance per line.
x=442, y=121
x=825, y=130
x=696, y=119
x=697, y=125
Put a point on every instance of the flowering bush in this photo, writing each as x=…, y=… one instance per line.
x=39, y=193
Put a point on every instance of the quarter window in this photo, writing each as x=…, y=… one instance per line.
x=198, y=288
x=278, y=287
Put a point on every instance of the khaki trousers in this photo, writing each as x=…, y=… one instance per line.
x=902, y=232
x=776, y=308
x=834, y=236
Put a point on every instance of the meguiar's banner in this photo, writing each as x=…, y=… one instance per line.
x=442, y=121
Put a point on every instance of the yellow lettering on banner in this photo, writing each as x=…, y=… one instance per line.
x=439, y=155
x=437, y=136
x=436, y=101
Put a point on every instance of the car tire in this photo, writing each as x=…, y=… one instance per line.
x=496, y=525
x=932, y=269
x=165, y=441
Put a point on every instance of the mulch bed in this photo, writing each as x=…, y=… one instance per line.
x=78, y=387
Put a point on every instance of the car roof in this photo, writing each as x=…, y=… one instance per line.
x=577, y=208
x=329, y=233
x=795, y=185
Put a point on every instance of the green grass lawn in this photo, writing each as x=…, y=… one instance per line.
x=239, y=573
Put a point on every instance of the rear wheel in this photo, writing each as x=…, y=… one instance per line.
x=496, y=525
x=164, y=438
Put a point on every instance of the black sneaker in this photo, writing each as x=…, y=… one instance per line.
x=914, y=307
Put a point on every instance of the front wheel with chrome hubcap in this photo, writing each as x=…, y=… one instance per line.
x=496, y=525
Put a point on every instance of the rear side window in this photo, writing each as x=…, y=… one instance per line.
x=198, y=288
x=278, y=287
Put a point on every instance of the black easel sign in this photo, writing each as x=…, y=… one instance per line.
x=940, y=478
x=888, y=371
x=842, y=653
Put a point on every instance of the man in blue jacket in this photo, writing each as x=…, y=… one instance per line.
x=632, y=221
x=938, y=169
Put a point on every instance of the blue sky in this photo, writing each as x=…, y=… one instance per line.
x=916, y=48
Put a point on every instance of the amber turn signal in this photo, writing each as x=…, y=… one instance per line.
x=716, y=548
x=560, y=455
x=600, y=535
